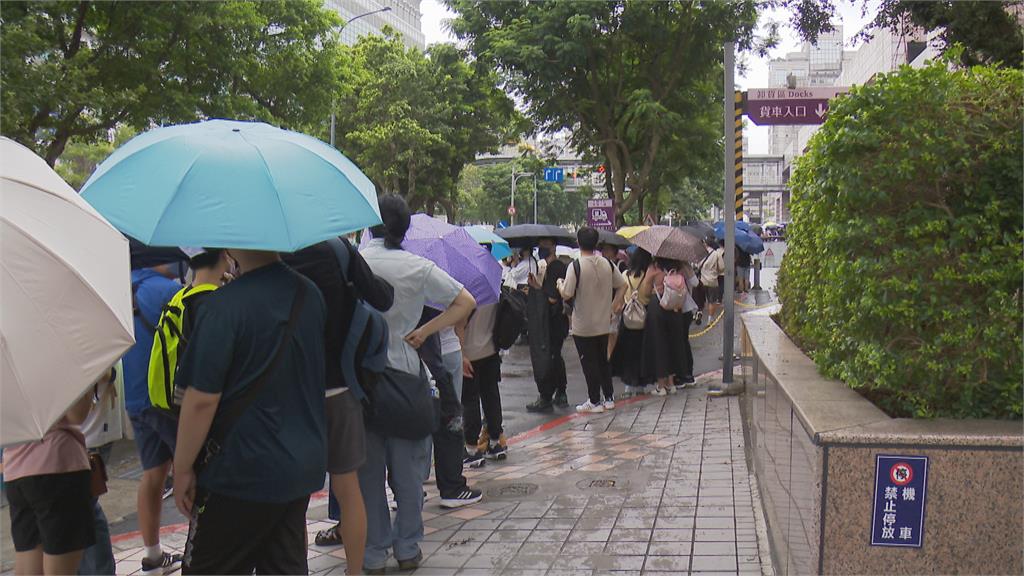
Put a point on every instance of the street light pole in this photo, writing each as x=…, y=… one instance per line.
x=347, y=22
x=728, y=207
x=534, y=198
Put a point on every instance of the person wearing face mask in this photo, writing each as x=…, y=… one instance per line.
x=551, y=384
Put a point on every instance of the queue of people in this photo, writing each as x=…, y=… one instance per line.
x=256, y=407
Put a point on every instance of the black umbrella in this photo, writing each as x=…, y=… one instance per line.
x=527, y=235
x=143, y=256
x=698, y=231
x=612, y=239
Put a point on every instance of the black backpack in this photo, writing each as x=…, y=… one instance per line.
x=364, y=355
x=510, y=319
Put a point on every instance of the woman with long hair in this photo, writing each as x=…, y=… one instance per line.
x=667, y=352
x=399, y=461
x=627, y=358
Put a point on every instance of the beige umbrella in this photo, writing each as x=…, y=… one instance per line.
x=65, y=295
x=671, y=243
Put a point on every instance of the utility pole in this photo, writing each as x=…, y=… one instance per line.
x=347, y=22
x=728, y=203
x=534, y=198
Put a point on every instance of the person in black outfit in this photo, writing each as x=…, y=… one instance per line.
x=447, y=440
x=551, y=388
x=346, y=435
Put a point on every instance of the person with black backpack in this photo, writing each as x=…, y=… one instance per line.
x=551, y=384
x=251, y=436
x=344, y=279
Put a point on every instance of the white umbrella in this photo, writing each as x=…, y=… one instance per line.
x=65, y=295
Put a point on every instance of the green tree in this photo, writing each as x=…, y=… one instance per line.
x=78, y=69
x=635, y=82
x=990, y=31
x=81, y=158
x=903, y=273
x=412, y=120
x=484, y=193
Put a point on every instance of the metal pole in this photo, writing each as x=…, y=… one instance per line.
x=512, y=215
x=332, y=129
x=534, y=198
x=728, y=203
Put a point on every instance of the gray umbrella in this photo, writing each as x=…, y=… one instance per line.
x=612, y=239
x=671, y=243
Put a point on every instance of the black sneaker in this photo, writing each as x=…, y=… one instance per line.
x=465, y=498
x=497, y=452
x=164, y=565
x=474, y=460
x=540, y=405
x=412, y=563
x=329, y=536
x=698, y=317
x=561, y=400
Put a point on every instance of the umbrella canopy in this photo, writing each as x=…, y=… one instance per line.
x=143, y=256
x=745, y=239
x=612, y=239
x=228, y=184
x=526, y=235
x=455, y=252
x=499, y=246
x=671, y=243
x=699, y=233
x=65, y=293
x=630, y=231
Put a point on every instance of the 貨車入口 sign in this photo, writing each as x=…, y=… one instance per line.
x=789, y=106
x=901, y=484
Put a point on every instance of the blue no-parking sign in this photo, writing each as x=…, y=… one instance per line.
x=901, y=483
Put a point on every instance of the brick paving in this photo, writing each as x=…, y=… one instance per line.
x=657, y=486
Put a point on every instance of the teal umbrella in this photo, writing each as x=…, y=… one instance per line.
x=229, y=184
x=499, y=246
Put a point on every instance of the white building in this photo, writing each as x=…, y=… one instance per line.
x=766, y=197
x=404, y=16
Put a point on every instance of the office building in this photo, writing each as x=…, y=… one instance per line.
x=404, y=17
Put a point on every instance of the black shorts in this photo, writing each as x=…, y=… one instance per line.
x=231, y=536
x=346, y=435
x=52, y=510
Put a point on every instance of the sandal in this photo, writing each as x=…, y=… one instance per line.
x=329, y=536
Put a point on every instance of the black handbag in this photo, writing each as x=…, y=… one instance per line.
x=403, y=405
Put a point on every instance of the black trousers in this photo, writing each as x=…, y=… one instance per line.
x=686, y=350
x=555, y=381
x=482, y=389
x=593, y=352
x=231, y=536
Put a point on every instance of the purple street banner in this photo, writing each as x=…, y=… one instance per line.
x=784, y=106
x=601, y=214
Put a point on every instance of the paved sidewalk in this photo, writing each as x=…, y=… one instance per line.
x=658, y=486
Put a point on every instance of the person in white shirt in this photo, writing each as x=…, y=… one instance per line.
x=521, y=271
x=598, y=290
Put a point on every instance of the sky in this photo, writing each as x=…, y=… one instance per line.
x=756, y=75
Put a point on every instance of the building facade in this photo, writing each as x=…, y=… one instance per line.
x=404, y=16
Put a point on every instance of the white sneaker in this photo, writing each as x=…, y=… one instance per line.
x=588, y=408
x=658, y=391
x=671, y=390
x=609, y=405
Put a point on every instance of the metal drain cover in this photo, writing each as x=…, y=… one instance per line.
x=603, y=484
x=516, y=490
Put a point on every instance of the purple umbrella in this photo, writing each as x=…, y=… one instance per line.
x=457, y=253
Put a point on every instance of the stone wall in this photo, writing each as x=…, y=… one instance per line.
x=814, y=442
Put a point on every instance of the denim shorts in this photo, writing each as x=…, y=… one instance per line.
x=155, y=436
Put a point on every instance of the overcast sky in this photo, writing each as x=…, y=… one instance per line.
x=434, y=28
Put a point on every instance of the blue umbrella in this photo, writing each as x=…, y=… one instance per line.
x=499, y=246
x=745, y=240
x=229, y=184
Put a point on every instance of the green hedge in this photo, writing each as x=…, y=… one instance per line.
x=904, y=269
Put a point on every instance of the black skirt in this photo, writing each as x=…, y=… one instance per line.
x=627, y=359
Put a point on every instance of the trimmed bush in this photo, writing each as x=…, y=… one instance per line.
x=904, y=268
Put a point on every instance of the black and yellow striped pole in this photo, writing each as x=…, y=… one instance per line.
x=738, y=136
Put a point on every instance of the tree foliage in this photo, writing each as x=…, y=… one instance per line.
x=903, y=274
x=412, y=121
x=989, y=31
x=637, y=83
x=78, y=69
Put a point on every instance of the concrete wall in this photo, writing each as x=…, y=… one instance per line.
x=814, y=443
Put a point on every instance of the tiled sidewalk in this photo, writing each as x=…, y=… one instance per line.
x=658, y=486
